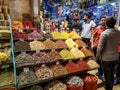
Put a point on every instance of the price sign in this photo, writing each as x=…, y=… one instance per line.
x=26, y=69
x=5, y=66
x=43, y=65
x=57, y=63
x=21, y=39
x=37, y=50
x=23, y=52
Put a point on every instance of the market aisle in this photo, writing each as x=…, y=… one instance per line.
x=117, y=87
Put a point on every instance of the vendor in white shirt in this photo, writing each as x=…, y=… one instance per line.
x=87, y=29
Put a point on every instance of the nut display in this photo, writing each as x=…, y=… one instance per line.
x=49, y=44
x=58, y=70
x=70, y=43
x=24, y=59
x=26, y=78
x=41, y=57
x=43, y=73
x=66, y=54
x=53, y=56
x=77, y=53
x=56, y=85
x=46, y=35
x=22, y=46
x=36, y=45
x=35, y=35
x=36, y=87
x=6, y=78
x=80, y=43
x=87, y=52
x=61, y=44
x=75, y=81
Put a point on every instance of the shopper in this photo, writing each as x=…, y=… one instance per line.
x=107, y=51
x=87, y=29
x=94, y=43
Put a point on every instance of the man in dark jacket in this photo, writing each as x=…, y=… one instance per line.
x=107, y=51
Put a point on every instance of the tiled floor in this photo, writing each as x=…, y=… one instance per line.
x=117, y=87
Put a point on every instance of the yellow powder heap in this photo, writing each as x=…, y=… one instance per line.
x=56, y=35
x=36, y=45
x=71, y=43
x=65, y=35
x=74, y=35
x=66, y=54
x=77, y=53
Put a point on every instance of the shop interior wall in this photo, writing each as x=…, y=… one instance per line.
x=21, y=9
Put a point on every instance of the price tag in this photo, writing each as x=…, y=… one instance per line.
x=27, y=27
x=43, y=65
x=74, y=46
x=26, y=69
x=20, y=30
x=53, y=50
x=57, y=63
x=23, y=52
x=5, y=66
x=70, y=60
x=84, y=46
x=81, y=58
x=44, y=32
x=37, y=50
x=21, y=39
x=16, y=27
x=48, y=39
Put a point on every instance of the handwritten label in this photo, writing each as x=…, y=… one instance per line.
x=23, y=52
x=5, y=66
x=21, y=39
x=20, y=30
x=37, y=50
x=26, y=69
x=43, y=65
x=57, y=63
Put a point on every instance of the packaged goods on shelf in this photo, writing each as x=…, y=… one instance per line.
x=46, y=35
x=36, y=87
x=17, y=24
x=58, y=70
x=4, y=28
x=49, y=44
x=72, y=67
x=3, y=57
x=25, y=78
x=61, y=44
x=80, y=43
x=43, y=73
x=66, y=54
x=24, y=59
x=71, y=43
x=41, y=57
x=4, y=44
x=75, y=83
x=54, y=56
x=18, y=35
x=65, y=35
x=87, y=52
x=56, y=35
x=74, y=35
x=22, y=46
x=37, y=45
x=77, y=53
x=92, y=64
x=55, y=85
x=82, y=65
x=35, y=35
x=6, y=78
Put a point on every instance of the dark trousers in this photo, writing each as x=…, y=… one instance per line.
x=118, y=70
x=87, y=41
x=100, y=69
x=108, y=68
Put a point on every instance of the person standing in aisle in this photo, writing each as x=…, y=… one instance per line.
x=94, y=43
x=87, y=29
x=107, y=51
